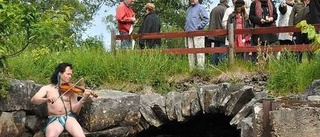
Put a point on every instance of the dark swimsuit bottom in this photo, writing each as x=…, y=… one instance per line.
x=62, y=119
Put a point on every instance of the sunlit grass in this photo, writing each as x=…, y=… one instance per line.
x=289, y=76
x=132, y=71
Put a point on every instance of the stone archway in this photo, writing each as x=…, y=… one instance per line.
x=140, y=113
x=225, y=101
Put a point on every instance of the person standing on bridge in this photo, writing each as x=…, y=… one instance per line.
x=151, y=24
x=315, y=10
x=196, y=19
x=285, y=9
x=262, y=14
x=227, y=12
x=216, y=17
x=126, y=18
x=240, y=20
x=300, y=12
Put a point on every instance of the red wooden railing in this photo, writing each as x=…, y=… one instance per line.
x=263, y=30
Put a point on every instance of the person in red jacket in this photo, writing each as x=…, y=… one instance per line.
x=126, y=18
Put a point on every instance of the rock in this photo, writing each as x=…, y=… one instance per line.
x=314, y=88
x=246, y=127
x=173, y=106
x=146, y=103
x=205, y=94
x=238, y=100
x=243, y=113
x=190, y=103
x=257, y=120
x=10, y=126
x=39, y=134
x=314, y=98
x=295, y=122
x=111, y=109
x=19, y=96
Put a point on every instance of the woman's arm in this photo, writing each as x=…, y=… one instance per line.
x=255, y=20
x=292, y=16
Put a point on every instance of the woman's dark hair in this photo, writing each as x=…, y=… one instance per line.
x=60, y=69
x=243, y=9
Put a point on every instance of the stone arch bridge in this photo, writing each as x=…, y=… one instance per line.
x=121, y=114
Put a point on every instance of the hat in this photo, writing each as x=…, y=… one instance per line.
x=239, y=3
x=150, y=6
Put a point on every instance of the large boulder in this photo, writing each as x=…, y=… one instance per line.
x=20, y=93
x=295, y=122
x=12, y=124
x=111, y=109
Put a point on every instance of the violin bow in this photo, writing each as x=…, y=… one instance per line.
x=68, y=89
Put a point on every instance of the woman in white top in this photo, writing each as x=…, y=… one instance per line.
x=285, y=9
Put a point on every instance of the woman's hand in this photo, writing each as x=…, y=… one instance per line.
x=270, y=19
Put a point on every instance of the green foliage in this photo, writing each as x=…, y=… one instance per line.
x=172, y=43
x=92, y=42
x=283, y=74
x=98, y=67
x=23, y=25
x=290, y=76
x=42, y=26
x=312, y=33
x=4, y=85
x=287, y=75
x=161, y=85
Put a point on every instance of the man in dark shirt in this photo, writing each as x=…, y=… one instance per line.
x=151, y=24
x=216, y=16
x=314, y=7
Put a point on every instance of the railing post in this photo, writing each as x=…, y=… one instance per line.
x=267, y=107
x=113, y=42
x=231, y=42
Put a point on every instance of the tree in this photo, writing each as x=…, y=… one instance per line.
x=22, y=25
x=37, y=24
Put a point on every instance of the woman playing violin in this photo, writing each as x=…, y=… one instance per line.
x=62, y=106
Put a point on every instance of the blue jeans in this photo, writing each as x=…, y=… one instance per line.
x=218, y=57
x=125, y=44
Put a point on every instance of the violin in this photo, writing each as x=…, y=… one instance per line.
x=67, y=87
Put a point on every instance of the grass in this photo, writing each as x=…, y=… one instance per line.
x=289, y=76
x=133, y=71
x=100, y=68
